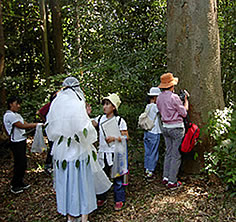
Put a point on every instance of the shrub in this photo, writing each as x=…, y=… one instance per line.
x=222, y=160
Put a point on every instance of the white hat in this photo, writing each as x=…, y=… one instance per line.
x=114, y=99
x=71, y=81
x=154, y=91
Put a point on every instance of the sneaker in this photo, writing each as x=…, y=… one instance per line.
x=17, y=190
x=119, y=205
x=101, y=203
x=150, y=176
x=164, y=182
x=174, y=186
x=25, y=186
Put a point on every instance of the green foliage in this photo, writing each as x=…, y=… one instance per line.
x=222, y=160
x=226, y=23
x=110, y=46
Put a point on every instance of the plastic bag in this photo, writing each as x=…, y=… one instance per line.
x=38, y=144
x=120, y=162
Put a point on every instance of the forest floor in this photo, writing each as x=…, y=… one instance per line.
x=199, y=199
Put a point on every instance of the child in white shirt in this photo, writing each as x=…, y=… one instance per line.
x=107, y=148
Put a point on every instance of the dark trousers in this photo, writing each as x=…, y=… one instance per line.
x=48, y=161
x=20, y=162
x=119, y=188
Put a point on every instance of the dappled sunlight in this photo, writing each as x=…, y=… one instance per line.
x=196, y=191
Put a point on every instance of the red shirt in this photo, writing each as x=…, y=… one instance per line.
x=44, y=110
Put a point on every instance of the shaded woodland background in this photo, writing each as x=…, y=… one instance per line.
x=113, y=46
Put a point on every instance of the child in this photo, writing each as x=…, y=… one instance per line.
x=106, y=152
x=152, y=137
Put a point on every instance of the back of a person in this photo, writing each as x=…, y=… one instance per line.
x=152, y=114
x=170, y=107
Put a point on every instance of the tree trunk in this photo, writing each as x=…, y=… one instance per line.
x=193, y=54
x=45, y=37
x=2, y=64
x=57, y=36
x=78, y=48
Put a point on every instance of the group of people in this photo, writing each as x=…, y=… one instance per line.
x=172, y=111
x=82, y=174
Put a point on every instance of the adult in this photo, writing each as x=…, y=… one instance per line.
x=172, y=112
x=77, y=174
x=152, y=137
x=15, y=126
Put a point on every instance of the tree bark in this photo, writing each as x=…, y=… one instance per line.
x=45, y=37
x=57, y=36
x=2, y=63
x=79, y=47
x=193, y=54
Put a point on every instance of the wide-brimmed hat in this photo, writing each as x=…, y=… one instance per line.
x=114, y=99
x=168, y=80
x=154, y=91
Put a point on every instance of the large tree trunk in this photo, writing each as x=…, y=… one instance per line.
x=193, y=54
x=57, y=36
x=2, y=60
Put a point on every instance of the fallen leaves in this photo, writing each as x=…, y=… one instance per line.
x=145, y=201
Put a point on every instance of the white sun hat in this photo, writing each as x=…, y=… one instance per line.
x=114, y=99
x=154, y=91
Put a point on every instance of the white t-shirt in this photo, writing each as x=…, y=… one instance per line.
x=103, y=146
x=104, y=149
x=9, y=119
x=152, y=114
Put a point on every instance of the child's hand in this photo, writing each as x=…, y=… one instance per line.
x=88, y=108
x=110, y=139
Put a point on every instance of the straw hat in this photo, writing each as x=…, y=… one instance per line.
x=168, y=80
x=154, y=91
x=114, y=99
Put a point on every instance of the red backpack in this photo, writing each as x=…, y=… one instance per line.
x=191, y=137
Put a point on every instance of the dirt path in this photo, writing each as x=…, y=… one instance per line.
x=197, y=200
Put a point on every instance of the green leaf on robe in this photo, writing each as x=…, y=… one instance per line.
x=64, y=164
x=77, y=163
x=77, y=138
x=60, y=140
x=94, y=155
x=69, y=141
x=88, y=160
x=85, y=132
x=58, y=164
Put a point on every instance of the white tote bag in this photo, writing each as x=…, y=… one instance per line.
x=144, y=121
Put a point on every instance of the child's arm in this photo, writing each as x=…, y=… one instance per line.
x=110, y=139
x=95, y=124
x=125, y=133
